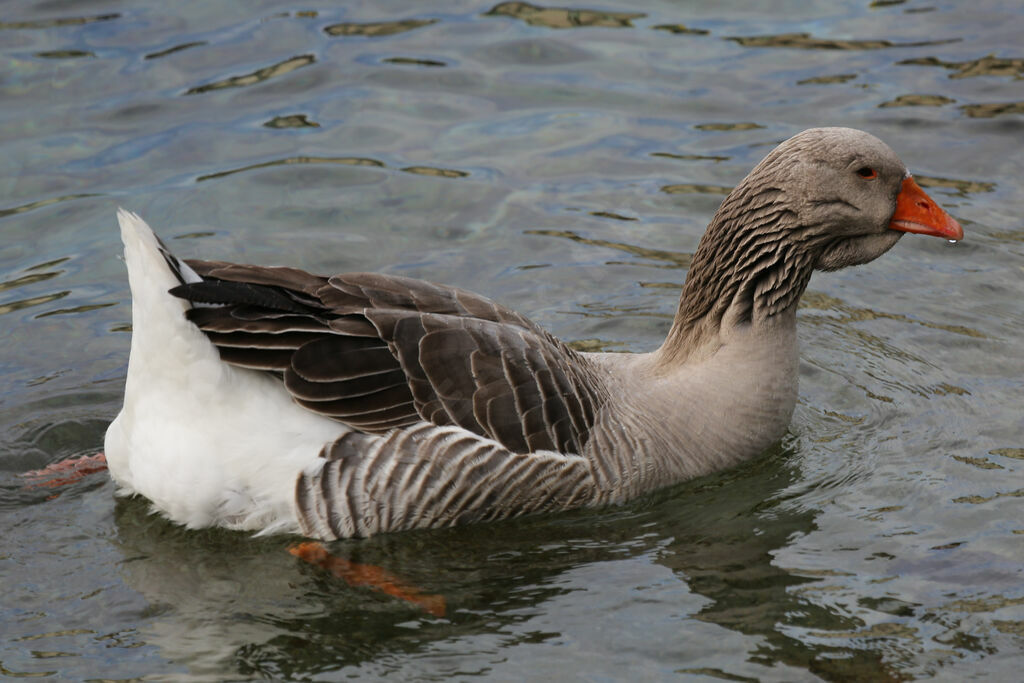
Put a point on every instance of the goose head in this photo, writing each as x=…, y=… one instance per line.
x=851, y=196
x=824, y=199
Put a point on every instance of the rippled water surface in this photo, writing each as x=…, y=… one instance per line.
x=563, y=160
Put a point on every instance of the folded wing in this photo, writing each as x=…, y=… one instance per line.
x=381, y=352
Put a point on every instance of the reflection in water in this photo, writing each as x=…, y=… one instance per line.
x=613, y=216
x=987, y=604
x=374, y=29
x=436, y=172
x=690, y=157
x=47, y=264
x=603, y=310
x=369, y=576
x=198, y=234
x=44, y=202
x=595, y=345
x=1015, y=628
x=977, y=500
x=52, y=23
x=730, y=561
x=728, y=126
x=718, y=535
x=805, y=41
x=291, y=121
x=258, y=76
x=680, y=28
x=987, y=111
x=414, y=61
x=824, y=302
x=84, y=308
x=962, y=187
x=826, y=80
x=980, y=463
x=989, y=65
x=65, y=54
x=29, y=279
x=12, y=306
x=176, y=48
x=692, y=188
x=562, y=17
x=674, y=259
x=917, y=101
x=344, y=161
x=875, y=347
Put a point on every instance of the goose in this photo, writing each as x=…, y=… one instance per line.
x=272, y=400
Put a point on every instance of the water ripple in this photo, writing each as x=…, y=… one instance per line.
x=258, y=76
x=344, y=161
x=563, y=17
x=989, y=65
x=45, y=202
x=987, y=111
x=805, y=41
x=53, y=23
x=174, y=49
x=377, y=29
x=674, y=258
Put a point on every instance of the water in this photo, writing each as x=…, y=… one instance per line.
x=565, y=163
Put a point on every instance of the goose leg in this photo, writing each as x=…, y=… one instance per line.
x=367, y=575
x=70, y=469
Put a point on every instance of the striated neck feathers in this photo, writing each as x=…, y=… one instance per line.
x=755, y=258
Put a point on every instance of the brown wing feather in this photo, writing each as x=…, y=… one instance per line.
x=378, y=352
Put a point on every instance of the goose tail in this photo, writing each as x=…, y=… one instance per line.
x=159, y=326
x=151, y=265
x=210, y=444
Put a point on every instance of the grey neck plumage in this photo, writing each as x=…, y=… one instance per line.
x=747, y=264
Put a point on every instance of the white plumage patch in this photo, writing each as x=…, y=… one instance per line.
x=208, y=443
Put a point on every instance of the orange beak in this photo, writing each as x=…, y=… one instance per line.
x=917, y=212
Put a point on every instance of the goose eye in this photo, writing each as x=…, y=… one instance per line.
x=867, y=173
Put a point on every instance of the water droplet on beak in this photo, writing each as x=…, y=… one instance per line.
x=952, y=241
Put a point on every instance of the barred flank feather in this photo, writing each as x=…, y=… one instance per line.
x=426, y=477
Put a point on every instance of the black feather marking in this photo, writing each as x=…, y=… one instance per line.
x=291, y=279
x=171, y=260
x=234, y=293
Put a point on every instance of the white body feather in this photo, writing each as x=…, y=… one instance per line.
x=192, y=436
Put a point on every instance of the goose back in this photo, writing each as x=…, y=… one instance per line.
x=380, y=352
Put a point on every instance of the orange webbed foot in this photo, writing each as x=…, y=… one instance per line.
x=70, y=471
x=367, y=575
